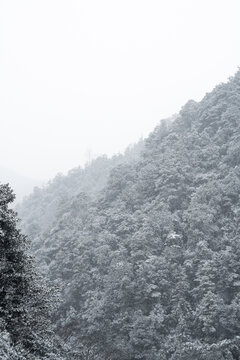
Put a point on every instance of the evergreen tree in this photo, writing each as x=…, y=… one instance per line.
x=24, y=299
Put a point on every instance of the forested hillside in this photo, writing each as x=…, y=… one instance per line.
x=39, y=210
x=147, y=259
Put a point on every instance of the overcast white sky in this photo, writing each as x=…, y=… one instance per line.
x=82, y=74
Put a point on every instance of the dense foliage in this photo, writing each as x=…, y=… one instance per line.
x=24, y=299
x=149, y=268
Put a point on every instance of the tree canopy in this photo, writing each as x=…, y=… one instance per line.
x=25, y=301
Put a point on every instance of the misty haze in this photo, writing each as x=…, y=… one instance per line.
x=120, y=180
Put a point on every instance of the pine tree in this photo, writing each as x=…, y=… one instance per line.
x=24, y=299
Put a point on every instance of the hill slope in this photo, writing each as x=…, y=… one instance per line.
x=150, y=268
x=39, y=210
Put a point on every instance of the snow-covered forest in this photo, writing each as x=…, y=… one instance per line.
x=135, y=256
